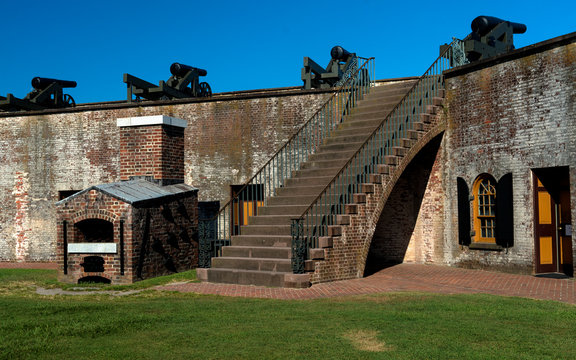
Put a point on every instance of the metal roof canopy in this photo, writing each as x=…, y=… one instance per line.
x=136, y=191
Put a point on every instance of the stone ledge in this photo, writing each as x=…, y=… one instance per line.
x=202, y=274
x=485, y=246
x=151, y=120
x=317, y=254
x=325, y=242
x=297, y=281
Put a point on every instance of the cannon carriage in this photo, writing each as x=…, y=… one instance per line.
x=46, y=94
x=490, y=36
x=184, y=83
x=317, y=77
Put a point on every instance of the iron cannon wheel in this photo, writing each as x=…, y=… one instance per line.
x=205, y=90
x=69, y=100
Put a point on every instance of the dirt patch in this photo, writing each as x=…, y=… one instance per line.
x=367, y=340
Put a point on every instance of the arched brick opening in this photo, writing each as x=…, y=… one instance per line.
x=94, y=231
x=397, y=221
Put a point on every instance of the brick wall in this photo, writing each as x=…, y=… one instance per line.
x=171, y=243
x=510, y=117
x=227, y=139
x=506, y=115
x=155, y=151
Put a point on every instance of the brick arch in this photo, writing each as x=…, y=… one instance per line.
x=347, y=257
x=389, y=185
x=95, y=214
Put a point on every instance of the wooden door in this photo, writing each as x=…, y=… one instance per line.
x=553, y=221
x=546, y=230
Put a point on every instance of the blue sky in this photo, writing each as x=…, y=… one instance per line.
x=243, y=44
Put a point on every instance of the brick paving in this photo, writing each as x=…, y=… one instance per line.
x=407, y=277
x=404, y=277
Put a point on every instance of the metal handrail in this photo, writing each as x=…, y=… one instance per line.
x=217, y=231
x=314, y=221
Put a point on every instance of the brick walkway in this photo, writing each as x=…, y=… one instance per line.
x=404, y=277
x=407, y=277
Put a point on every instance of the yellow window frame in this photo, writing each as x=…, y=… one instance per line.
x=484, y=206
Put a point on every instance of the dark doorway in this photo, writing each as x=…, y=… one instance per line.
x=553, y=221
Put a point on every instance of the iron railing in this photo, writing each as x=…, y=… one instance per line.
x=216, y=232
x=314, y=222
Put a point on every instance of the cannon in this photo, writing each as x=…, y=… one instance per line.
x=46, y=94
x=315, y=76
x=184, y=83
x=490, y=36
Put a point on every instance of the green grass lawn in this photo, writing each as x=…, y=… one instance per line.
x=166, y=325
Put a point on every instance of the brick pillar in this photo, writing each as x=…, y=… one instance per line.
x=152, y=147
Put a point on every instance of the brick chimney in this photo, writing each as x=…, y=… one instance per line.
x=152, y=148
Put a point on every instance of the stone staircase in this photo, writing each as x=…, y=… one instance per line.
x=261, y=254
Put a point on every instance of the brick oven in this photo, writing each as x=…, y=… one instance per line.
x=140, y=227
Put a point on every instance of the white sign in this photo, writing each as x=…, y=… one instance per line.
x=92, y=248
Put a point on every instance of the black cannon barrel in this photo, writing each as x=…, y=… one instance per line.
x=483, y=24
x=339, y=53
x=178, y=69
x=40, y=83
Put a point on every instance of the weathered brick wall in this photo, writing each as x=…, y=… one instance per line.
x=227, y=139
x=508, y=116
x=155, y=151
x=164, y=238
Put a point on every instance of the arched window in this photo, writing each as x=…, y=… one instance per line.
x=485, y=209
x=492, y=211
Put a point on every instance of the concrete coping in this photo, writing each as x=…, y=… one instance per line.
x=151, y=120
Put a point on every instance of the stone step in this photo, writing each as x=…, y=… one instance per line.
x=355, y=130
x=291, y=200
x=330, y=155
x=341, y=147
x=344, y=139
x=295, y=210
x=265, y=229
x=268, y=252
x=262, y=240
x=270, y=220
x=372, y=115
x=246, y=277
x=323, y=164
x=405, y=85
x=259, y=264
x=379, y=100
x=308, y=181
x=361, y=123
x=305, y=173
x=385, y=104
x=300, y=190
